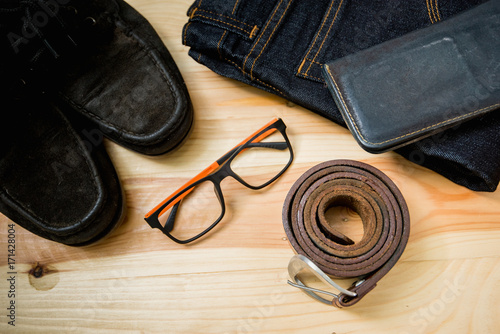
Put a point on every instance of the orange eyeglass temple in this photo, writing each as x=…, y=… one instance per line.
x=207, y=171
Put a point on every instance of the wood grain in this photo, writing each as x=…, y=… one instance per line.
x=234, y=281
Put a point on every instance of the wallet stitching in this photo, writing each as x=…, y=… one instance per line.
x=262, y=33
x=315, y=39
x=326, y=36
x=270, y=36
x=408, y=134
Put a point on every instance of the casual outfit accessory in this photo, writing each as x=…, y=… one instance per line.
x=125, y=80
x=369, y=193
x=280, y=46
x=406, y=89
x=54, y=182
x=72, y=71
x=198, y=206
x=101, y=59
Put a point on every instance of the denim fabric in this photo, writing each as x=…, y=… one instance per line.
x=280, y=46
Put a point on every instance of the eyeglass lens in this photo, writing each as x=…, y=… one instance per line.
x=263, y=160
x=195, y=213
x=256, y=165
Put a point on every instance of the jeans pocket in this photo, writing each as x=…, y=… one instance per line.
x=314, y=58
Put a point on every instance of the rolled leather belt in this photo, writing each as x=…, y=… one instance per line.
x=378, y=202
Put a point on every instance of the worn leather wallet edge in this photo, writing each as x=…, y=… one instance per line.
x=380, y=124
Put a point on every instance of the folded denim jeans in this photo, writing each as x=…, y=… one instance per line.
x=280, y=46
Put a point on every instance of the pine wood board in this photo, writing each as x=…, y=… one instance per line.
x=234, y=281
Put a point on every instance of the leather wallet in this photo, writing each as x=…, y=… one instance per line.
x=416, y=85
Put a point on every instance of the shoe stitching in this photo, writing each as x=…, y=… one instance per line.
x=166, y=79
x=114, y=126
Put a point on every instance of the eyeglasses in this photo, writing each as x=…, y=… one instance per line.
x=198, y=206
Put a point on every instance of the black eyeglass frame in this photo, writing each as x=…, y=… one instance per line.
x=216, y=177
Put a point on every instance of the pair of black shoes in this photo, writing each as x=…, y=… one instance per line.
x=71, y=72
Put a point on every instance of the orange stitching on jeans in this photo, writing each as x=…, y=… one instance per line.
x=494, y=106
x=227, y=17
x=262, y=82
x=235, y=5
x=254, y=31
x=229, y=24
x=310, y=76
x=313, y=61
x=437, y=10
x=433, y=11
x=317, y=35
x=218, y=44
x=185, y=32
x=429, y=11
x=303, y=63
x=327, y=33
x=270, y=36
x=258, y=40
x=268, y=85
x=192, y=13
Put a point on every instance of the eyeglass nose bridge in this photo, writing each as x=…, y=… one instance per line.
x=219, y=176
x=223, y=173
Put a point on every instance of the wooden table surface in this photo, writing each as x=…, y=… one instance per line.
x=234, y=281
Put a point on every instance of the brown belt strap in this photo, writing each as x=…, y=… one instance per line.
x=374, y=197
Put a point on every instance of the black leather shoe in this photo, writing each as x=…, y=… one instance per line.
x=103, y=60
x=125, y=80
x=55, y=182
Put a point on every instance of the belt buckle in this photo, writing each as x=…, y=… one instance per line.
x=298, y=263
